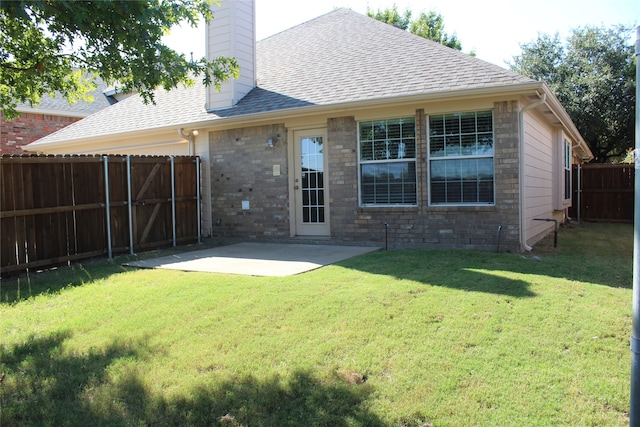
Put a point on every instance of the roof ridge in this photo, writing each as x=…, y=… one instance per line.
x=336, y=9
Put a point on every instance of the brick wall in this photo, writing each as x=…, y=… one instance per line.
x=27, y=128
x=242, y=170
x=424, y=226
x=507, y=164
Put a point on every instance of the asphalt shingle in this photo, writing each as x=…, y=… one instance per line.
x=58, y=103
x=339, y=57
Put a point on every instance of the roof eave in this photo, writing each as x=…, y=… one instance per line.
x=561, y=114
x=297, y=112
x=53, y=112
x=42, y=145
x=390, y=101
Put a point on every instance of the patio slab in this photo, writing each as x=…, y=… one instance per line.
x=257, y=259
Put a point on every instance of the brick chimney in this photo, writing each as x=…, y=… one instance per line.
x=232, y=33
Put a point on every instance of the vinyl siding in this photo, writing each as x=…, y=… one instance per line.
x=538, y=175
x=232, y=34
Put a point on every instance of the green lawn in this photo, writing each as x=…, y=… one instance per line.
x=398, y=338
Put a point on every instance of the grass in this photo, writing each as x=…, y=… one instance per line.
x=399, y=338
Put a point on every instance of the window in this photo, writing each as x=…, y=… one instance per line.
x=461, y=159
x=567, y=170
x=387, y=154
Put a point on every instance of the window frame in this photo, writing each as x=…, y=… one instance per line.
x=388, y=161
x=460, y=157
x=566, y=169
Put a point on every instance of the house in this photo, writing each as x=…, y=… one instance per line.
x=349, y=129
x=52, y=114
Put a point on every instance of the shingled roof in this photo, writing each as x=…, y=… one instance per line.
x=345, y=56
x=341, y=57
x=59, y=104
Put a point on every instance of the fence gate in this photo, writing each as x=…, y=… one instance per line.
x=56, y=209
x=603, y=192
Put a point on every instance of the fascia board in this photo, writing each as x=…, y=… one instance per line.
x=52, y=112
x=113, y=138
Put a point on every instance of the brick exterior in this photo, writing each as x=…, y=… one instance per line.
x=425, y=226
x=242, y=170
x=29, y=127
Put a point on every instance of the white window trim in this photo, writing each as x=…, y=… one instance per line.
x=413, y=160
x=428, y=162
x=561, y=143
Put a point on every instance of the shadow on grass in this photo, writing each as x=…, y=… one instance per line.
x=597, y=253
x=23, y=286
x=46, y=386
x=29, y=285
x=591, y=253
x=449, y=268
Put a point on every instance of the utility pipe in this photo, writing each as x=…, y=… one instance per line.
x=386, y=236
x=523, y=218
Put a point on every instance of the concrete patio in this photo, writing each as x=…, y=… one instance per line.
x=257, y=259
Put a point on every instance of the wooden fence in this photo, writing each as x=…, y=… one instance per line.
x=603, y=192
x=56, y=209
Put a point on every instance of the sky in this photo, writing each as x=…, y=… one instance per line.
x=494, y=29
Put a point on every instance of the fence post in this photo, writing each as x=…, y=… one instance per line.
x=579, y=190
x=130, y=203
x=173, y=198
x=198, y=195
x=107, y=199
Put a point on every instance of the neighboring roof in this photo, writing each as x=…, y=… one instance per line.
x=340, y=57
x=58, y=104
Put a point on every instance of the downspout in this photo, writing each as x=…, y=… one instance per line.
x=191, y=140
x=523, y=237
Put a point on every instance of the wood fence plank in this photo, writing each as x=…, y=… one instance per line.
x=152, y=219
x=147, y=181
x=57, y=209
x=52, y=208
x=606, y=193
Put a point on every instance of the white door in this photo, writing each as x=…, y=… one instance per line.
x=310, y=187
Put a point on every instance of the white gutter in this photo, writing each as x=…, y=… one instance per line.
x=54, y=112
x=523, y=219
x=191, y=139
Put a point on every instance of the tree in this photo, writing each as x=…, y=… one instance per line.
x=428, y=25
x=49, y=46
x=593, y=75
x=391, y=17
x=431, y=26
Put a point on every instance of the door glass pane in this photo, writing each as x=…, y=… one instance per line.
x=312, y=164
